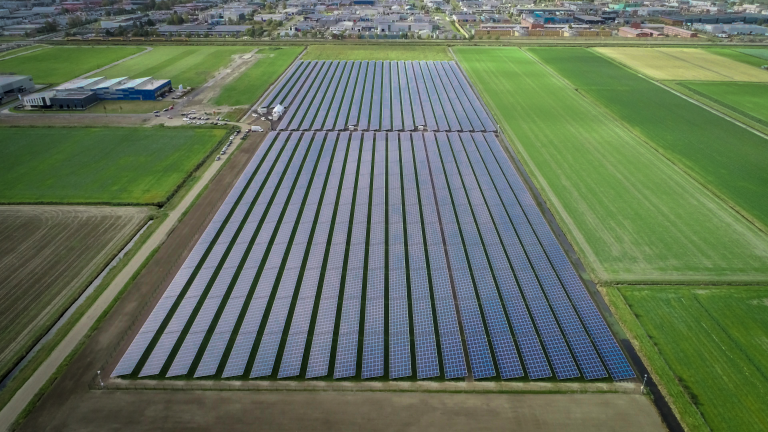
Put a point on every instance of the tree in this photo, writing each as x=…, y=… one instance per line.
x=150, y=23
x=50, y=26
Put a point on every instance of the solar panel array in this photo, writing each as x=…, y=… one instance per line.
x=377, y=254
x=377, y=95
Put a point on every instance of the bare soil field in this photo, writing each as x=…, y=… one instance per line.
x=353, y=411
x=48, y=255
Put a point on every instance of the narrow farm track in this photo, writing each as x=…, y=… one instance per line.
x=47, y=257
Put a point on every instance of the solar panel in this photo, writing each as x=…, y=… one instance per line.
x=284, y=86
x=343, y=84
x=437, y=109
x=293, y=353
x=304, y=80
x=349, y=327
x=386, y=98
x=319, y=356
x=416, y=109
x=351, y=91
x=614, y=359
x=270, y=342
x=454, y=365
x=453, y=98
x=495, y=320
x=585, y=354
x=373, y=335
x=172, y=332
x=530, y=348
x=375, y=122
x=405, y=98
x=332, y=79
x=429, y=113
x=423, y=324
x=397, y=113
x=478, y=350
x=463, y=102
x=365, y=108
x=292, y=118
x=212, y=355
x=445, y=103
x=473, y=101
x=135, y=351
x=399, y=323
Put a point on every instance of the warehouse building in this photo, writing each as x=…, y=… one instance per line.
x=12, y=85
x=732, y=29
x=123, y=88
x=82, y=93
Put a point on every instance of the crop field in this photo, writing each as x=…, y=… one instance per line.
x=99, y=165
x=714, y=341
x=18, y=51
x=746, y=99
x=760, y=53
x=725, y=157
x=684, y=64
x=631, y=214
x=375, y=52
x=248, y=87
x=738, y=56
x=348, y=254
x=189, y=66
x=48, y=255
x=59, y=64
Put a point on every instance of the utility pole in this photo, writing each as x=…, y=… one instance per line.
x=101, y=383
x=642, y=388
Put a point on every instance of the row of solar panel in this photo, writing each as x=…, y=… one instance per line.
x=368, y=95
x=349, y=214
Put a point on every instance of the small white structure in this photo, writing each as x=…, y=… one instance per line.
x=256, y=129
x=277, y=111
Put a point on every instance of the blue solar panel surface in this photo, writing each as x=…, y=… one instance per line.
x=426, y=249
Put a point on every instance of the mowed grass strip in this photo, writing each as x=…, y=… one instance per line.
x=760, y=53
x=715, y=341
x=48, y=256
x=684, y=64
x=631, y=214
x=746, y=99
x=18, y=51
x=725, y=157
x=99, y=165
x=60, y=64
x=375, y=51
x=190, y=66
x=249, y=86
x=738, y=56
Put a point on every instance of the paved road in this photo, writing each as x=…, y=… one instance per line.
x=30, y=388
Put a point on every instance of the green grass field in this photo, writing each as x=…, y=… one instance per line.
x=374, y=52
x=98, y=165
x=727, y=158
x=715, y=342
x=738, y=56
x=746, y=99
x=23, y=50
x=59, y=64
x=631, y=214
x=249, y=86
x=189, y=66
x=760, y=53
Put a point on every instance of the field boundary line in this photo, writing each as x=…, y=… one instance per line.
x=744, y=214
x=49, y=367
x=146, y=50
x=42, y=47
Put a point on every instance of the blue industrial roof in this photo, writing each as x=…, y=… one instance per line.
x=110, y=82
